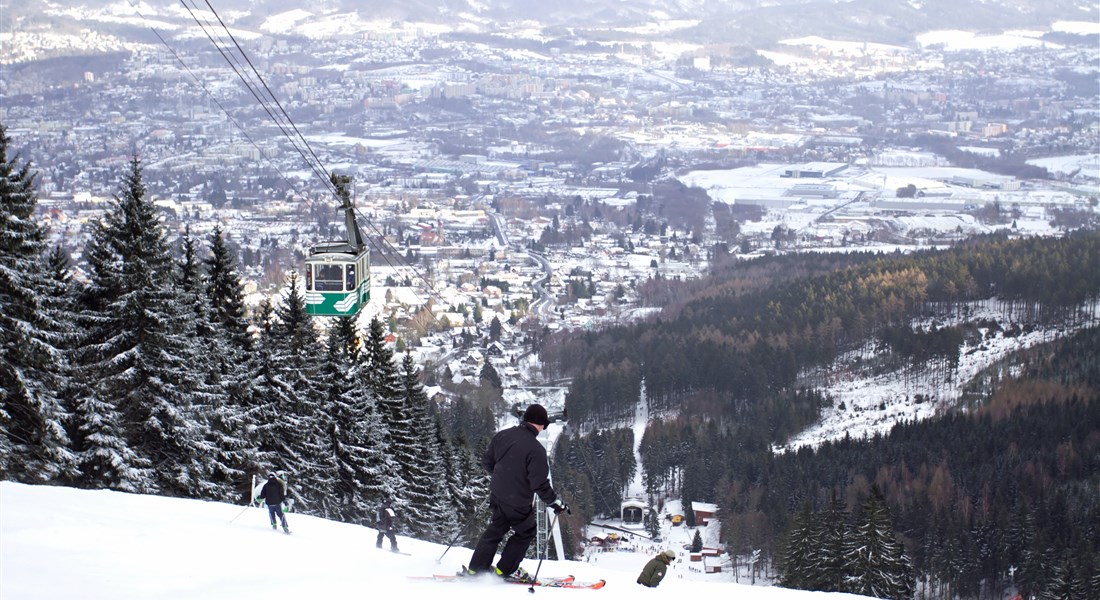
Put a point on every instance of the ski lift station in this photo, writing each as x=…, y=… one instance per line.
x=633, y=512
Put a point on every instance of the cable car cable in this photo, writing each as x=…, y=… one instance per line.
x=316, y=165
x=237, y=69
x=326, y=178
x=271, y=94
x=217, y=102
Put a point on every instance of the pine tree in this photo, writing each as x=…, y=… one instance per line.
x=799, y=546
x=33, y=441
x=341, y=460
x=381, y=373
x=103, y=455
x=384, y=383
x=136, y=352
x=58, y=309
x=426, y=485
x=215, y=363
x=830, y=568
x=467, y=488
x=878, y=564
x=223, y=288
x=291, y=426
x=363, y=472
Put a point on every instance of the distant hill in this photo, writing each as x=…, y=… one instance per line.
x=753, y=23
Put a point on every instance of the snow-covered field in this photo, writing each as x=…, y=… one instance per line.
x=63, y=543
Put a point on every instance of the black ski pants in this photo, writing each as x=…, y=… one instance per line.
x=519, y=519
x=387, y=533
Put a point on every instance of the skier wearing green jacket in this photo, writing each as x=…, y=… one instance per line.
x=655, y=569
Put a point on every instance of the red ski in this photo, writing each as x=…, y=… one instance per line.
x=567, y=581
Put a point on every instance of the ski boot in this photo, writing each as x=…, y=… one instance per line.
x=518, y=576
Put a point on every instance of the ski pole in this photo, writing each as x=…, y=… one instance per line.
x=531, y=589
x=247, y=506
x=459, y=534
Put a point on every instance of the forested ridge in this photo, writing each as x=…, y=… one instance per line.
x=754, y=343
x=147, y=374
x=979, y=499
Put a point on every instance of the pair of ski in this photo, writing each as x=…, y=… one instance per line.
x=567, y=581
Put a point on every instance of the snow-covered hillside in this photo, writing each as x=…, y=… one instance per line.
x=64, y=543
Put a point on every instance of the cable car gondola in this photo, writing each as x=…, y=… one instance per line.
x=338, y=272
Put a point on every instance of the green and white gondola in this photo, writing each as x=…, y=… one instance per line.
x=337, y=283
x=337, y=273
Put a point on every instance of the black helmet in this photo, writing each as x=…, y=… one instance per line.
x=272, y=475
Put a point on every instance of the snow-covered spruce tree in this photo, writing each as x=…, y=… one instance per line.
x=265, y=392
x=878, y=565
x=59, y=310
x=103, y=456
x=829, y=565
x=227, y=311
x=216, y=365
x=135, y=354
x=799, y=546
x=337, y=462
x=365, y=472
x=384, y=382
x=344, y=458
x=223, y=288
x=429, y=514
x=32, y=439
x=467, y=488
x=294, y=423
x=381, y=374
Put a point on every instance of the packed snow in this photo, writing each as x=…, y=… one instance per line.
x=58, y=542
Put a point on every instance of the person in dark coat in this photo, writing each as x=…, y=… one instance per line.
x=273, y=494
x=517, y=462
x=387, y=523
x=654, y=570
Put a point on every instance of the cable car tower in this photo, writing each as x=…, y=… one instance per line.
x=338, y=272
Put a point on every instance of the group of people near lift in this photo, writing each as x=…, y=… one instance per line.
x=519, y=471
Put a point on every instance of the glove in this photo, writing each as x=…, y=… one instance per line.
x=256, y=500
x=560, y=506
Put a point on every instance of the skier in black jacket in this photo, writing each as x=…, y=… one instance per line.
x=517, y=462
x=387, y=523
x=273, y=494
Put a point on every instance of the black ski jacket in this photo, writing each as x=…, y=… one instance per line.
x=518, y=464
x=273, y=492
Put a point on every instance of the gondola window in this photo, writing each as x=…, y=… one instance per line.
x=330, y=278
x=350, y=278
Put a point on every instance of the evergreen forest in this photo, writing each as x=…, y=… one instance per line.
x=141, y=371
x=999, y=491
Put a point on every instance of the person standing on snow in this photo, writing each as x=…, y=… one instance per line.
x=387, y=523
x=517, y=462
x=273, y=494
x=656, y=568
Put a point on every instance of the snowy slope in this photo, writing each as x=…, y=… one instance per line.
x=64, y=543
